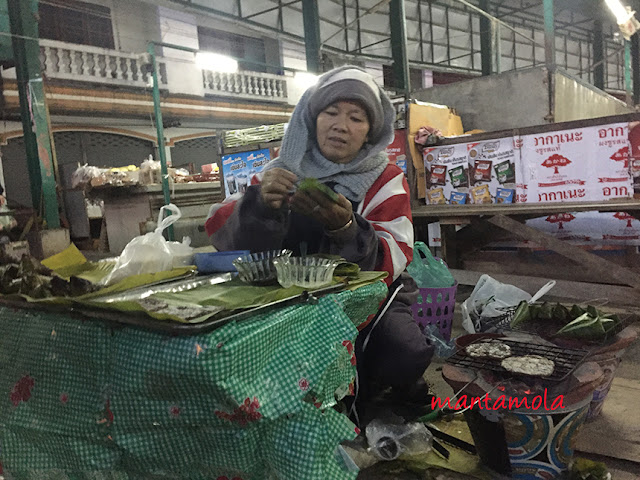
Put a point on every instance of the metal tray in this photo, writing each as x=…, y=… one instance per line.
x=142, y=320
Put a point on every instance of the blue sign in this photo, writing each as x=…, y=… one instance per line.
x=238, y=169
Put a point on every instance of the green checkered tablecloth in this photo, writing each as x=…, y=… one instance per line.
x=80, y=399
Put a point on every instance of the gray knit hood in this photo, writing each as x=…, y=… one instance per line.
x=300, y=153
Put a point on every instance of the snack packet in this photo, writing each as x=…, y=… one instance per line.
x=505, y=195
x=504, y=172
x=458, y=198
x=481, y=194
x=436, y=196
x=458, y=177
x=438, y=175
x=482, y=171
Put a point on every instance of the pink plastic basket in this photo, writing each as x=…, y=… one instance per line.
x=435, y=306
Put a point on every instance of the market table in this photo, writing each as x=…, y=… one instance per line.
x=250, y=400
x=486, y=220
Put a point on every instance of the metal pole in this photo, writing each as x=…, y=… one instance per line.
x=399, y=46
x=157, y=111
x=635, y=65
x=498, y=33
x=486, y=40
x=549, y=35
x=598, y=54
x=627, y=72
x=311, y=20
x=37, y=137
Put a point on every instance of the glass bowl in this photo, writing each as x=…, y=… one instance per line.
x=257, y=268
x=307, y=272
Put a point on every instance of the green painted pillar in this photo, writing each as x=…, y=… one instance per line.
x=311, y=20
x=598, y=54
x=635, y=67
x=486, y=46
x=157, y=111
x=23, y=16
x=399, y=46
x=549, y=34
x=6, y=50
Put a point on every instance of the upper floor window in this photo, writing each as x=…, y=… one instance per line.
x=77, y=22
x=238, y=46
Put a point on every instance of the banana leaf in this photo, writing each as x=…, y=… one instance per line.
x=585, y=326
x=522, y=314
x=584, y=469
x=560, y=312
x=546, y=311
x=576, y=311
x=310, y=184
x=593, y=311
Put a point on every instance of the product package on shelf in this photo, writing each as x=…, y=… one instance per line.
x=396, y=151
x=446, y=173
x=238, y=169
x=492, y=171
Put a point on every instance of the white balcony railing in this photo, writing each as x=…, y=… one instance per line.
x=83, y=63
x=68, y=61
x=247, y=85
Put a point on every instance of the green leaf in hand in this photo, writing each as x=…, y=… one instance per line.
x=310, y=184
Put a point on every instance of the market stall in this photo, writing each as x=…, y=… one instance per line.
x=551, y=170
x=93, y=392
x=127, y=199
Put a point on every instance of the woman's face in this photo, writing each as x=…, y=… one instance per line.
x=341, y=130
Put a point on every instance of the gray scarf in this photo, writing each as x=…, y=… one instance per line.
x=300, y=153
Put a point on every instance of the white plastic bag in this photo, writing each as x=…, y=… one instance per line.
x=151, y=253
x=490, y=298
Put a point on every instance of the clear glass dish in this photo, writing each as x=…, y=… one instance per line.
x=306, y=272
x=257, y=268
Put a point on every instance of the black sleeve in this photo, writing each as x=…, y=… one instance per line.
x=252, y=225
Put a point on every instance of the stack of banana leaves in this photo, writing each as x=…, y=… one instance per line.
x=29, y=277
x=577, y=322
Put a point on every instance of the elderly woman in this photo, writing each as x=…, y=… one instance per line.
x=338, y=134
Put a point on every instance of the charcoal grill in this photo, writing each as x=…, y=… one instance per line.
x=565, y=359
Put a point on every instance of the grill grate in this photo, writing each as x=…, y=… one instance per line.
x=565, y=359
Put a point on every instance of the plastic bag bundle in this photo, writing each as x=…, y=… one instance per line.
x=84, y=174
x=152, y=253
x=489, y=300
x=391, y=438
x=427, y=271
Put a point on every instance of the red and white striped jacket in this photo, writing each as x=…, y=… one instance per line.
x=386, y=206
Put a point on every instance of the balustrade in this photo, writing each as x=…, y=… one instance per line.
x=69, y=61
x=66, y=61
x=250, y=85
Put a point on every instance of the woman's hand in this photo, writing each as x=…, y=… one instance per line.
x=315, y=204
x=276, y=186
